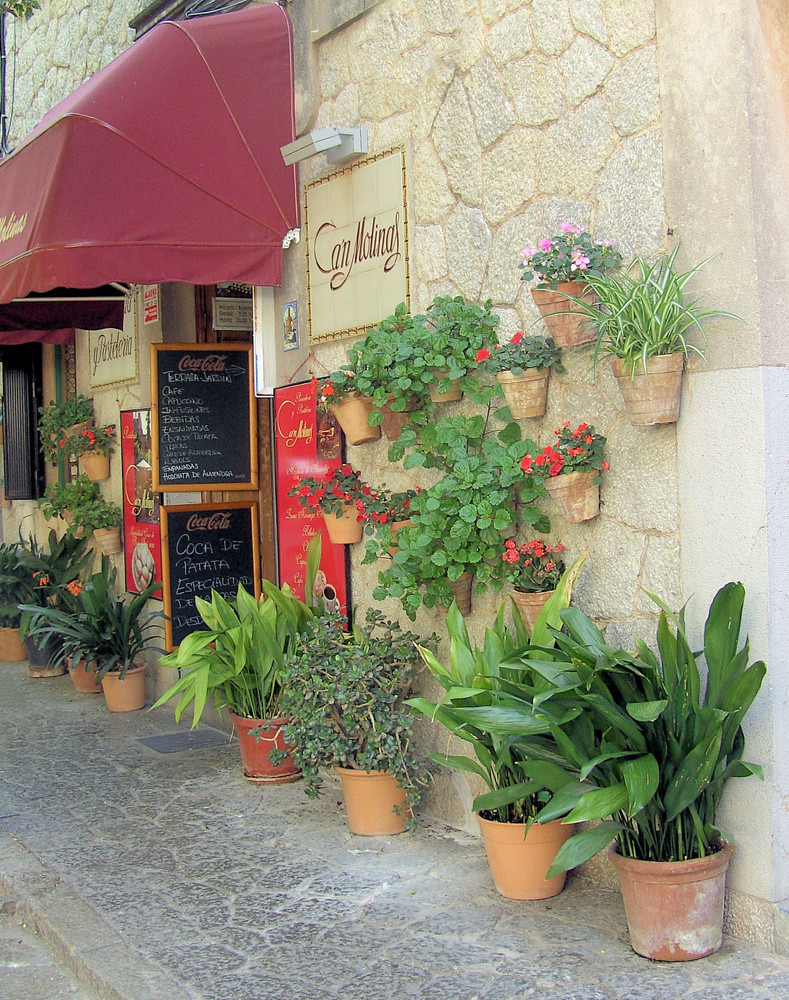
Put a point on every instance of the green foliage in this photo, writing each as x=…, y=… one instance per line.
x=52, y=569
x=344, y=693
x=56, y=418
x=19, y=8
x=82, y=499
x=17, y=585
x=520, y=354
x=92, y=441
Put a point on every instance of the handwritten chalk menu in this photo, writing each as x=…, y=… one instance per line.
x=205, y=547
x=204, y=417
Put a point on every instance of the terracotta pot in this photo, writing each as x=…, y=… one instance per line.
x=345, y=530
x=394, y=421
x=530, y=605
x=566, y=330
x=127, y=695
x=84, y=679
x=96, y=466
x=353, y=415
x=652, y=398
x=108, y=540
x=394, y=527
x=674, y=909
x=370, y=800
x=76, y=429
x=12, y=649
x=39, y=656
x=576, y=495
x=461, y=589
x=519, y=861
x=526, y=394
x=255, y=751
x=451, y=395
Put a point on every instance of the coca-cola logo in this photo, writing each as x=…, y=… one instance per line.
x=202, y=363
x=217, y=521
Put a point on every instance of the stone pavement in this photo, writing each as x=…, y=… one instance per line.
x=166, y=876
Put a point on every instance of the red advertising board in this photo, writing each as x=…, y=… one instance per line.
x=308, y=442
x=142, y=538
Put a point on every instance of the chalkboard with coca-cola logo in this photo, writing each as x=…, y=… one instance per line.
x=204, y=417
x=205, y=547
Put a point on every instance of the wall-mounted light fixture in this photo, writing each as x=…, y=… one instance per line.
x=339, y=144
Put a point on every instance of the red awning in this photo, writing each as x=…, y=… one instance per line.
x=164, y=166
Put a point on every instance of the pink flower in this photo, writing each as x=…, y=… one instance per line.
x=528, y=252
x=545, y=244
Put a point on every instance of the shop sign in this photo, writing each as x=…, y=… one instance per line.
x=112, y=357
x=150, y=298
x=142, y=538
x=356, y=222
x=232, y=314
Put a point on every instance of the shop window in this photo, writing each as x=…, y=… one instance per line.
x=22, y=395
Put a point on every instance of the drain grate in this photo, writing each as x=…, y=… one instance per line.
x=194, y=739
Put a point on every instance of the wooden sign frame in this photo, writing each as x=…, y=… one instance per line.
x=160, y=414
x=200, y=509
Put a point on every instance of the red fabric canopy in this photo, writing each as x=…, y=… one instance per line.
x=164, y=166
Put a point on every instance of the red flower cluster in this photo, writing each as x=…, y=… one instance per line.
x=344, y=486
x=535, y=566
x=578, y=450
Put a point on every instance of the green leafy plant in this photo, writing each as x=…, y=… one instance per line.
x=521, y=353
x=534, y=567
x=92, y=441
x=578, y=449
x=20, y=8
x=55, y=571
x=81, y=502
x=17, y=585
x=571, y=256
x=56, y=418
x=344, y=693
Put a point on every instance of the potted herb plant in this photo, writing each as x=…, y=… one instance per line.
x=644, y=320
x=570, y=470
x=59, y=421
x=522, y=367
x=81, y=504
x=444, y=345
x=341, y=498
x=93, y=447
x=561, y=265
x=350, y=408
x=344, y=693
x=534, y=569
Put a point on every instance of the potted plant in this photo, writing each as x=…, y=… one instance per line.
x=522, y=367
x=238, y=660
x=570, y=470
x=562, y=265
x=81, y=504
x=534, y=569
x=651, y=750
x=643, y=319
x=444, y=345
x=481, y=685
x=387, y=514
x=350, y=409
x=16, y=588
x=341, y=498
x=344, y=693
x=59, y=421
x=93, y=447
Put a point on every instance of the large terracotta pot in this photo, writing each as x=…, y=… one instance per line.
x=345, y=530
x=566, y=329
x=674, y=909
x=526, y=394
x=39, y=655
x=576, y=495
x=353, y=415
x=84, y=678
x=519, y=861
x=255, y=751
x=370, y=800
x=654, y=397
x=12, y=649
x=127, y=695
x=96, y=465
x=530, y=605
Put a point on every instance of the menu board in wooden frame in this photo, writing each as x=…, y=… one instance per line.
x=205, y=547
x=204, y=417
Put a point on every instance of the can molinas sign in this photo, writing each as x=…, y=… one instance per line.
x=357, y=246
x=113, y=355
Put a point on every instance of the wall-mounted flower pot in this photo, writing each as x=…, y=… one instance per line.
x=345, y=529
x=566, y=329
x=576, y=495
x=353, y=415
x=519, y=861
x=453, y=393
x=96, y=466
x=255, y=751
x=394, y=421
x=127, y=694
x=370, y=801
x=12, y=649
x=461, y=590
x=526, y=394
x=674, y=909
x=654, y=397
x=530, y=605
x=108, y=540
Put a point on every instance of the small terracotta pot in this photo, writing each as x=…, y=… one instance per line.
x=39, y=656
x=84, y=679
x=394, y=528
x=526, y=394
x=12, y=649
x=576, y=495
x=567, y=330
x=370, y=800
x=461, y=589
x=353, y=415
x=451, y=395
x=674, y=909
x=345, y=530
x=530, y=605
x=96, y=466
x=519, y=861
x=394, y=421
x=127, y=695
x=654, y=397
x=255, y=750
x=108, y=540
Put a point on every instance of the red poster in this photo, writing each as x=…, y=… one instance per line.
x=142, y=539
x=308, y=443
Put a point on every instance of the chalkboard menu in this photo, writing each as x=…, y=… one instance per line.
x=205, y=547
x=204, y=417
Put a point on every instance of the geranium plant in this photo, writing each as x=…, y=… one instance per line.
x=573, y=255
x=535, y=567
x=56, y=418
x=578, y=449
x=81, y=500
x=520, y=354
x=384, y=508
x=337, y=386
x=330, y=496
x=91, y=441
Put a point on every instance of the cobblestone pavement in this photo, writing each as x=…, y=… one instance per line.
x=166, y=876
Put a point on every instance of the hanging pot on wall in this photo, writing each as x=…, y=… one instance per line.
x=654, y=397
x=108, y=540
x=526, y=394
x=530, y=604
x=576, y=494
x=567, y=330
x=345, y=529
x=353, y=415
x=96, y=465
